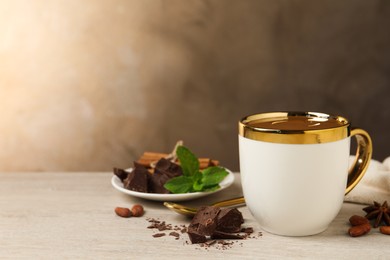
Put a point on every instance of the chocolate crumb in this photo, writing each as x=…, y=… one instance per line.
x=247, y=230
x=210, y=242
x=174, y=234
x=224, y=235
x=159, y=235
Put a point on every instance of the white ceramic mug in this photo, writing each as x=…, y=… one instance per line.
x=294, y=168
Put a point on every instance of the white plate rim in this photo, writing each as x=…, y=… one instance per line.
x=117, y=184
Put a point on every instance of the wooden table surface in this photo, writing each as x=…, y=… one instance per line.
x=68, y=215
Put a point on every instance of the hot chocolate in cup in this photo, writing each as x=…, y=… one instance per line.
x=294, y=168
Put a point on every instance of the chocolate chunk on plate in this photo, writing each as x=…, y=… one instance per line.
x=164, y=171
x=137, y=180
x=156, y=183
x=120, y=173
x=168, y=168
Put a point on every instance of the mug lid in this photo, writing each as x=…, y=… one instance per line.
x=294, y=127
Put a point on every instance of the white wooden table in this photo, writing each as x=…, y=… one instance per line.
x=71, y=216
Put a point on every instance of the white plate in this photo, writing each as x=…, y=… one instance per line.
x=117, y=183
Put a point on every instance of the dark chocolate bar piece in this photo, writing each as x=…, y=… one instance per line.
x=168, y=168
x=156, y=183
x=137, y=180
x=120, y=173
x=205, y=220
x=195, y=237
x=229, y=220
x=164, y=171
x=216, y=223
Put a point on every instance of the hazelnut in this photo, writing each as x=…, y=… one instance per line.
x=123, y=212
x=357, y=231
x=385, y=230
x=356, y=220
x=137, y=210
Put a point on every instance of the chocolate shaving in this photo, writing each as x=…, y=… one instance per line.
x=224, y=235
x=159, y=235
x=174, y=234
x=247, y=230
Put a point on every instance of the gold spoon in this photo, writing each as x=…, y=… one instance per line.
x=190, y=212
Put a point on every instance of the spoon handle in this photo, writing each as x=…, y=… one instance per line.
x=230, y=202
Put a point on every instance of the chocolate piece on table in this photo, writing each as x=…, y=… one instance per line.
x=216, y=223
x=229, y=220
x=195, y=237
x=205, y=220
x=137, y=180
x=120, y=173
x=224, y=235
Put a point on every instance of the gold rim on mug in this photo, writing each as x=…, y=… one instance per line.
x=324, y=128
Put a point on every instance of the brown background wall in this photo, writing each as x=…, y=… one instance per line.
x=88, y=85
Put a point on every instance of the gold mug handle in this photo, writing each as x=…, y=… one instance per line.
x=362, y=159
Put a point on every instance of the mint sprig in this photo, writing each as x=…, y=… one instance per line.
x=194, y=180
x=188, y=161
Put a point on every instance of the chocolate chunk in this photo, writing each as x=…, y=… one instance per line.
x=229, y=220
x=205, y=220
x=168, y=168
x=195, y=237
x=157, y=181
x=120, y=173
x=225, y=235
x=164, y=171
x=216, y=223
x=137, y=180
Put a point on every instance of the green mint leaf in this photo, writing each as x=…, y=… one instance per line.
x=198, y=186
x=180, y=184
x=188, y=161
x=197, y=179
x=212, y=188
x=213, y=176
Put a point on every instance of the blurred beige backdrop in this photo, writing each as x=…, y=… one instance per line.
x=88, y=85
